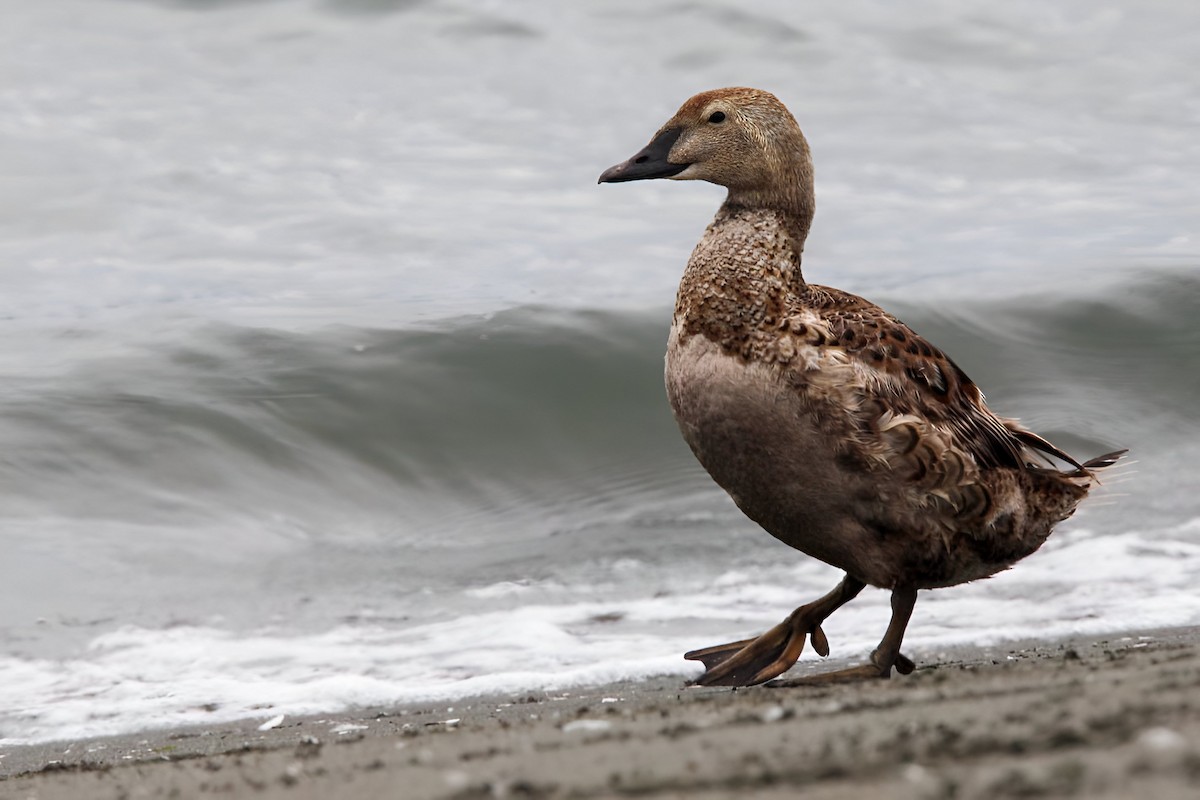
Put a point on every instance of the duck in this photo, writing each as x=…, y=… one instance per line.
x=831, y=424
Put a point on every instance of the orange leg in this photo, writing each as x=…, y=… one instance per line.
x=753, y=661
x=885, y=656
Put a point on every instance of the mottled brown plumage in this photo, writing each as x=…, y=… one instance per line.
x=830, y=422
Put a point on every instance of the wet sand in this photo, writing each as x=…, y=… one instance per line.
x=1116, y=717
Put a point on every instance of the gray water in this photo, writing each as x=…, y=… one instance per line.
x=326, y=360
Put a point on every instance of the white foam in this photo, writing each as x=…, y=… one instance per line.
x=135, y=678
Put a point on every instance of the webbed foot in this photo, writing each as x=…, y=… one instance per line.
x=753, y=661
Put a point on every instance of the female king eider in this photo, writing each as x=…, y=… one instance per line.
x=827, y=420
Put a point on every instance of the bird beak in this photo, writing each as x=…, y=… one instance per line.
x=651, y=162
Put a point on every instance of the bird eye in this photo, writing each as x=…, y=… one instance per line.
x=717, y=116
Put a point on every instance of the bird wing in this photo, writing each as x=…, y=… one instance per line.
x=915, y=378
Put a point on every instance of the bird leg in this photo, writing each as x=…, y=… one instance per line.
x=753, y=661
x=886, y=656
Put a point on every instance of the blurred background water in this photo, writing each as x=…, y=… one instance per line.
x=331, y=377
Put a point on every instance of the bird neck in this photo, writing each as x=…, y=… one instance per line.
x=741, y=273
x=784, y=187
x=791, y=215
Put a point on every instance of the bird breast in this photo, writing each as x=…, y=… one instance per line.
x=772, y=449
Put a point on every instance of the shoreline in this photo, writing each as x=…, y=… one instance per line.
x=1091, y=717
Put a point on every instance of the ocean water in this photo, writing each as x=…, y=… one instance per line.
x=330, y=377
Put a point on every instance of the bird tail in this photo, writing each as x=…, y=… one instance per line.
x=1088, y=468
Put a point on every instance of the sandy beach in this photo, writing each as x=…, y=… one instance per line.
x=1115, y=717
